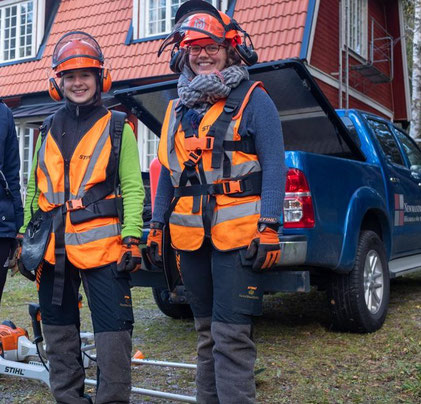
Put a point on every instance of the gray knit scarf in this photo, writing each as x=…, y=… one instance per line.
x=202, y=91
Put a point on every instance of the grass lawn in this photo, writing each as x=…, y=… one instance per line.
x=299, y=359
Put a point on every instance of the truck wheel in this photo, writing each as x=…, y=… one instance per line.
x=174, y=310
x=359, y=300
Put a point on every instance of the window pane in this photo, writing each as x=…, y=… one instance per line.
x=411, y=150
x=159, y=14
x=17, y=31
x=386, y=141
x=357, y=22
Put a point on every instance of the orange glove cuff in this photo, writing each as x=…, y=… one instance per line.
x=155, y=236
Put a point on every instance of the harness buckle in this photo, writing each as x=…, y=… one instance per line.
x=194, y=158
x=230, y=108
x=194, y=143
x=232, y=187
x=74, y=204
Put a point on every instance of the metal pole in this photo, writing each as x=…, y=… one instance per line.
x=162, y=363
x=347, y=54
x=341, y=44
x=154, y=393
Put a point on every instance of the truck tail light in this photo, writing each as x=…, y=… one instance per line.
x=298, y=205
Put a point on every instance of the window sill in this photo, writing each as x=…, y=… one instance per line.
x=19, y=61
x=360, y=58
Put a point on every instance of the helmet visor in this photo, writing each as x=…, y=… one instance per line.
x=201, y=23
x=76, y=45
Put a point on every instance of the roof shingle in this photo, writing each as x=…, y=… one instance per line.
x=276, y=28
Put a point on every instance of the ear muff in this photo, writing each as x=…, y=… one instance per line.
x=247, y=54
x=177, y=55
x=105, y=80
x=54, y=90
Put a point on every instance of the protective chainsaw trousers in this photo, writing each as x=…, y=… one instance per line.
x=215, y=283
x=109, y=300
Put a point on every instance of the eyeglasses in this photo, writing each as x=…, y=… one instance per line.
x=210, y=49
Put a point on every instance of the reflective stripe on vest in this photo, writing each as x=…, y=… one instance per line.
x=234, y=219
x=96, y=242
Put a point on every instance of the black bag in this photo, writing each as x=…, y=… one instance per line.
x=35, y=239
x=103, y=208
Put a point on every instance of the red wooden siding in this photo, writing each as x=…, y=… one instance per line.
x=325, y=56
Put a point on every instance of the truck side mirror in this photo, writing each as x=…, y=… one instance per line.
x=416, y=171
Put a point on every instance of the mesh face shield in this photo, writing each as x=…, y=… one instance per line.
x=199, y=25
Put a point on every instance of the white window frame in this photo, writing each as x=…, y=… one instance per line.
x=23, y=131
x=146, y=137
x=38, y=22
x=141, y=17
x=355, y=17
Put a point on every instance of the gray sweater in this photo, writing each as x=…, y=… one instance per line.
x=261, y=120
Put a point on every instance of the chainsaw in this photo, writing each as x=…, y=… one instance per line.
x=14, y=343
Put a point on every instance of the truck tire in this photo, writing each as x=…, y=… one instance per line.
x=359, y=300
x=174, y=310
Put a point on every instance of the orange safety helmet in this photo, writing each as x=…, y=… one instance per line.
x=197, y=19
x=202, y=26
x=77, y=50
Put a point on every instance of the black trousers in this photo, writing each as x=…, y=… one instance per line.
x=5, y=245
x=220, y=284
x=107, y=290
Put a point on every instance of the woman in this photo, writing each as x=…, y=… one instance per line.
x=221, y=190
x=81, y=161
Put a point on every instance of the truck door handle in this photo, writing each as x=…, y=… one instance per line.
x=394, y=180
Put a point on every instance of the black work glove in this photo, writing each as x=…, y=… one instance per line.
x=264, y=249
x=154, y=244
x=15, y=262
x=130, y=259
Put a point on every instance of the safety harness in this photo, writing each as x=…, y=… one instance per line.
x=203, y=192
x=92, y=205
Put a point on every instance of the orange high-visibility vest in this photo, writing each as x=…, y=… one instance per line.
x=234, y=218
x=96, y=242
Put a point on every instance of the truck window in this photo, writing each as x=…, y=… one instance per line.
x=410, y=149
x=386, y=140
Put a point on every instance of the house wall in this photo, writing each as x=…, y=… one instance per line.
x=325, y=55
x=400, y=76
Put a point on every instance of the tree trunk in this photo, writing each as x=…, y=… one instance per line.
x=416, y=74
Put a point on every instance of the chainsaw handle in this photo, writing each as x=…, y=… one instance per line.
x=35, y=313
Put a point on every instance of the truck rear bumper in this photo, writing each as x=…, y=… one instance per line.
x=280, y=279
x=293, y=251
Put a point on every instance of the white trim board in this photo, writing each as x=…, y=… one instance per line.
x=405, y=62
x=326, y=78
x=313, y=31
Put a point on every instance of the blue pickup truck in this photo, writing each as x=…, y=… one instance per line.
x=352, y=211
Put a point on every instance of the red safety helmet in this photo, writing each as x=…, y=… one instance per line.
x=77, y=50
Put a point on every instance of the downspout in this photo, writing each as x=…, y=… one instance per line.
x=341, y=42
x=347, y=53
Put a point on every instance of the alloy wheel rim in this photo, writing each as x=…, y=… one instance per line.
x=373, y=281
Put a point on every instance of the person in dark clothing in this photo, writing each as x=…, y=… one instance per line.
x=83, y=173
x=11, y=211
x=220, y=192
